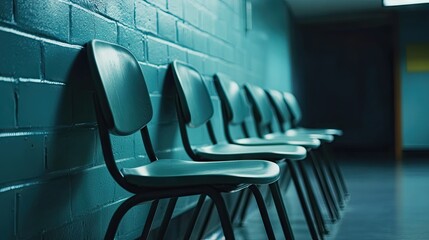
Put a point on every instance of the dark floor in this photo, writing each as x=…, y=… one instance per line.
x=389, y=201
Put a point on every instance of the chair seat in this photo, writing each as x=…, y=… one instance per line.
x=226, y=151
x=171, y=173
x=304, y=141
x=326, y=131
x=322, y=137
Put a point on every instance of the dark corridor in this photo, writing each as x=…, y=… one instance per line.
x=358, y=61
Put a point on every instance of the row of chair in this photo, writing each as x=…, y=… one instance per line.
x=123, y=107
x=236, y=109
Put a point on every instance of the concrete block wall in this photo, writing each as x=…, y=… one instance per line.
x=53, y=181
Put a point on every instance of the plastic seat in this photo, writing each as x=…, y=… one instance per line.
x=123, y=108
x=174, y=173
x=195, y=109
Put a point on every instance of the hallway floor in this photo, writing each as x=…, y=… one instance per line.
x=389, y=201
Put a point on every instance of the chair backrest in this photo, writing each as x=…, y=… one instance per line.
x=120, y=87
x=236, y=107
x=123, y=103
x=279, y=105
x=294, y=108
x=193, y=96
x=260, y=104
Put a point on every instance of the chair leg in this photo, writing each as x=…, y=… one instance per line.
x=206, y=220
x=149, y=219
x=338, y=171
x=326, y=192
x=244, y=208
x=301, y=197
x=223, y=214
x=286, y=178
x=341, y=177
x=194, y=217
x=263, y=211
x=334, y=180
x=333, y=190
x=313, y=201
x=237, y=205
x=167, y=217
x=281, y=211
x=119, y=214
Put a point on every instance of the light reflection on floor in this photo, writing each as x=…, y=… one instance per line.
x=390, y=201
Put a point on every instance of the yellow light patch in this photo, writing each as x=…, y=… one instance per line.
x=418, y=57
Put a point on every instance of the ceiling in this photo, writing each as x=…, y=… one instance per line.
x=303, y=9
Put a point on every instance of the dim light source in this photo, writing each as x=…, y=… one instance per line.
x=403, y=2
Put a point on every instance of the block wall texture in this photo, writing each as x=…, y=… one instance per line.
x=53, y=181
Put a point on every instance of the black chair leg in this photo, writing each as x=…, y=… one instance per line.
x=149, y=219
x=338, y=171
x=263, y=211
x=237, y=205
x=302, y=200
x=333, y=192
x=286, y=178
x=194, y=217
x=244, y=208
x=119, y=214
x=281, y=211
x=167, y=217
x=312, y=198
x=223, y=214
x=341, y=178
x=326, y=192
x=206, y=220
x=335, y=181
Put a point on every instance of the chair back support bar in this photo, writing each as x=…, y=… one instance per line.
x=122, y=93
x=294, y=108
x=194, y=98
x=236, y=107
x=280, y=108
x=260, y=105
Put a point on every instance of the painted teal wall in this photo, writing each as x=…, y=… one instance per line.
x=273, y=25
x=414, y=86
x=53, y=181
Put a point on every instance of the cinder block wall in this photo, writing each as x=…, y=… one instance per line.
x=53, y=181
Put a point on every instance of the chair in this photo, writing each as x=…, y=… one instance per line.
x=263, y=114
x=295, y=111
x=123, y=107
x=295, y=114
x=236, y=109
x=195, y=109
x=264, y=117
x=282, y=111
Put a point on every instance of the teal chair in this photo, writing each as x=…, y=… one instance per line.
x=123, y=108
x=195, y=110
x=264, y=117
x=283, y=103
x=296, y=116
x=236, y=109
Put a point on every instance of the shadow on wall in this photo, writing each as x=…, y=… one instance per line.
x=165, y=131
x=62, y=194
